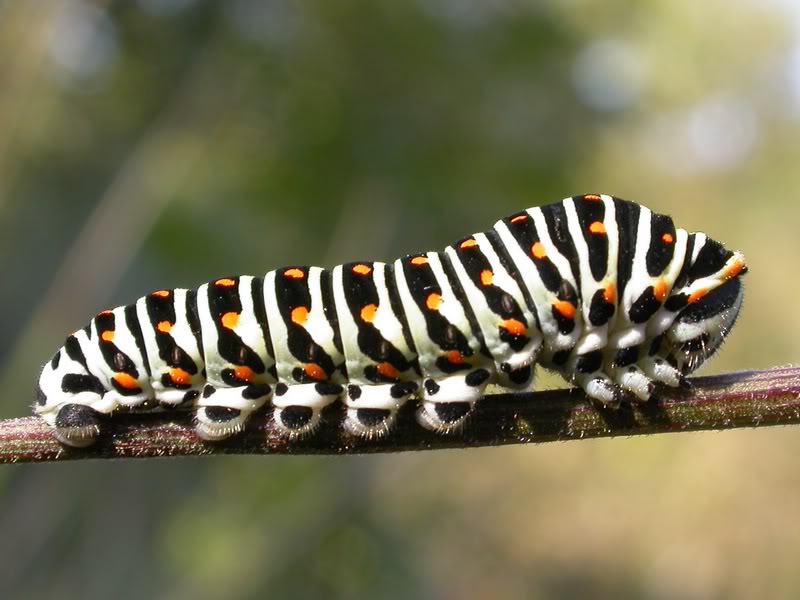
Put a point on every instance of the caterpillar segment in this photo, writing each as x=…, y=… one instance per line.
x=380, y=356
x=239, y=362
x=308, y=347
x=605, y=292
x=451, y=351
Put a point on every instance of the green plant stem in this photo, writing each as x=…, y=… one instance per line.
x=730, y=401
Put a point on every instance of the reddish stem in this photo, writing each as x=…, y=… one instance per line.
x=743, y=399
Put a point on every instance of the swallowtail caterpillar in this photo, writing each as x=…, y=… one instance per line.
x=604, y=291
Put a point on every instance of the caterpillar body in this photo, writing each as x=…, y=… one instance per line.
x=604, y=291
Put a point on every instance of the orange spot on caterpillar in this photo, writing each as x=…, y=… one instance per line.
x=487, y=277
x=667, y=238
x=294, y=274
x=519, y=218
x=161, y=294
x=592, y=197
x=565, y=309
x=230, y=320
x=455, y=357
x=514, y=327
x=126, y=381
x=610, y=293
x=164, y=326
x=315, y=372
x=368, y=313
x=418, y=261
x=107, y=336
x=433, y=301
x=538, y=250
x=597, y=228
x=698, y=295
x=362, y=269
x=299, y=315
x=244, y=374
x=225, y=282
x=104, y=313
x=388, y=371
x=736, y=268
x=470, y=243
x=180, y=377
x=660, y=290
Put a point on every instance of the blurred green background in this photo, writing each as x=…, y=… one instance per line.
x=160, y=143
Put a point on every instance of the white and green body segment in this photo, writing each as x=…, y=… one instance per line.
x=608, y=293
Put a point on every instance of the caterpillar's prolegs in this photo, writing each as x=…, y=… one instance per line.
x=77, y=425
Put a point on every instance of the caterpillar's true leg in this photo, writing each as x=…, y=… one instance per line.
x=222, y=412
x=298, y=407
x=446, y=403
x=628, y=375
x=598, y=386
x=587, y=370
x=372, y=409
x=658, y=369
x=656, y=366
x=632, y=379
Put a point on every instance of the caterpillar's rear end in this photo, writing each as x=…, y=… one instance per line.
x=611, y=295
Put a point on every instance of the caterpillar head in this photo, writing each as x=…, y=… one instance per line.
x=712, y=296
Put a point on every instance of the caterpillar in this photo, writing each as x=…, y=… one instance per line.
x=601, y=290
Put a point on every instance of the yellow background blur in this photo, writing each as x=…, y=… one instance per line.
x=161, y=143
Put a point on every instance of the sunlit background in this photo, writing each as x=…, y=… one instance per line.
x=161, y=143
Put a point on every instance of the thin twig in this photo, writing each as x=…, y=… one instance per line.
x=744, y=399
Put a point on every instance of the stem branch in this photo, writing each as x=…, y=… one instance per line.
x=730, y=401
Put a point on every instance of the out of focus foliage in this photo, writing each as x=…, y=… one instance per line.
x=160, y=143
